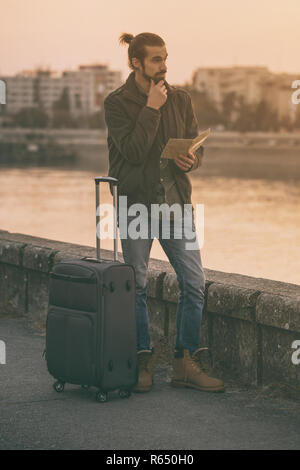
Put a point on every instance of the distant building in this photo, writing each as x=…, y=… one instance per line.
x=19, y=93
x=219, y=81
x=277, y=91
x=102, y=82
x=87, y=88
x=252, y=83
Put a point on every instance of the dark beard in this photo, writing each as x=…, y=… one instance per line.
x=148, y=78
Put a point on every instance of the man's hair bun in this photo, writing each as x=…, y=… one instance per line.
x=138, y=43
x=126, y=38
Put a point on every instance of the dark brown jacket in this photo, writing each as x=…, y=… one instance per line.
x=137, y=135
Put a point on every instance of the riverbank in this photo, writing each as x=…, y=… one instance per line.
x=227, y=154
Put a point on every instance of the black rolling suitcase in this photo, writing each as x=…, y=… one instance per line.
x=91, y=321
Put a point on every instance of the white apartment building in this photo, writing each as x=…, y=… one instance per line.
x=253, y=83
x=101, y=81
x=87, y=88
x=277, y=91
x=245, y=81
x=19, y=93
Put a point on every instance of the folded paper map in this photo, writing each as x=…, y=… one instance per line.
x=176, y=147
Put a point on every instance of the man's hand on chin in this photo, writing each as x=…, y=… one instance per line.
x=185, y=162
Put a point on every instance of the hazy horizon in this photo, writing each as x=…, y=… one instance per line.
x=64, y=34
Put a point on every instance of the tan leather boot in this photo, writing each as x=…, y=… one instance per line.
x=187, y=372
x=146, y=360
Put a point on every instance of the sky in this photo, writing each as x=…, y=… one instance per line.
x=61, y=34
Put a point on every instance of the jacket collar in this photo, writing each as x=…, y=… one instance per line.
x=132, y=92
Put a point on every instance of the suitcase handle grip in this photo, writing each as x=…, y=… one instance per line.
x=106, y=179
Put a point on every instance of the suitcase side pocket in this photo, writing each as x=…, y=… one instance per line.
x=73, y=291
x=70, y=345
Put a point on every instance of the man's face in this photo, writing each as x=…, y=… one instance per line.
x=154, y=66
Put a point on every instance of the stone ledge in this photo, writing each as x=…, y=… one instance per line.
x=276, y=358
x=247, y=322
x=38, y=258
x=256, y=283
x=278, y=311
x=155, y=283
x=38, y=241
x=64, y=255
x=234, y=279
x=13, y=290
x=11, y=252
x=170, y=288
x=233, y=301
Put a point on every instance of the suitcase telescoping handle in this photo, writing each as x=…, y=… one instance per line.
x=114, y=183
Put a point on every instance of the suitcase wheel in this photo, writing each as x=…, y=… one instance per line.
x=59, y=386
x=101, y=397
x=124, y=393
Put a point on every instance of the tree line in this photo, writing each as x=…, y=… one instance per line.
x=234, y=114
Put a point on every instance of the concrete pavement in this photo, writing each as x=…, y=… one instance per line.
x=34, y=416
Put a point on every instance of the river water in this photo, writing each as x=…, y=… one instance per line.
x=251, y=226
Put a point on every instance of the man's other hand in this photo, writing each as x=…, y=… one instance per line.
x=185, y=162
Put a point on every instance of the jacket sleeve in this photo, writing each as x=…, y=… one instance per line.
x=191, y=131
x=133, y=142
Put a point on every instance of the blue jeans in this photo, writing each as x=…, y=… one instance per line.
x=190, y=276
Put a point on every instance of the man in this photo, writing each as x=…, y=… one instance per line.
x=141, y=116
